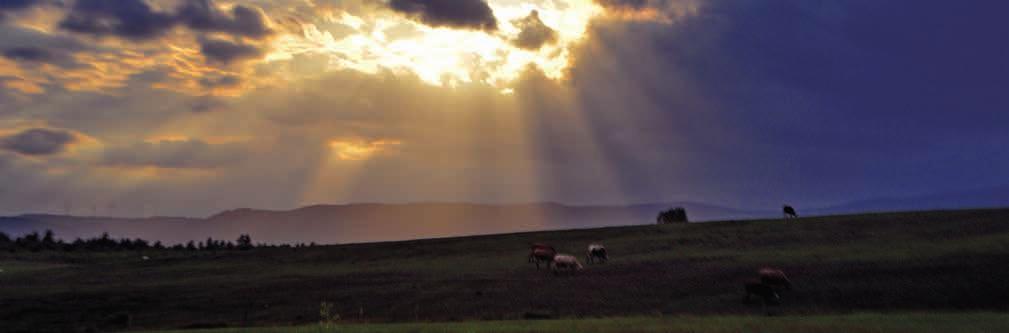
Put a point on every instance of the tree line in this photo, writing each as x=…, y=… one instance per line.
x=47, y=241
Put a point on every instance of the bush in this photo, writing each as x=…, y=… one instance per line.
x=672, y=215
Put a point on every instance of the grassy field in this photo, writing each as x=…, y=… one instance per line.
x=854, y=323
x=951, y=262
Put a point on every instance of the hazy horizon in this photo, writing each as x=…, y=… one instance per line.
x=950, y=197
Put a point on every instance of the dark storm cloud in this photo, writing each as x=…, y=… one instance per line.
x=22, y=37
x=38, y=141
x=203, y=15
x=469, y=14
x=38, y=55
x=623, y=4
x=30, y=46
x=132, y=19
x=227, y=52
x=8, y=7
x=136, y=19
x=534, y=34
x=18, y=4
x=28, y=54
x=823, y=101
x=188, y=154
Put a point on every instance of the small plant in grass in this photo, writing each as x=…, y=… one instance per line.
x=326, y=315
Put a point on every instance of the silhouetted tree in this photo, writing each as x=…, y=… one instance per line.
x=672, y=215
x=5, y=242
x=210, y=244
x=48, y=241
x=244, y=242
x=78, y=244
x=31, y=242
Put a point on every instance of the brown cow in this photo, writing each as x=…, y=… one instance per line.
x=541, y=253
x=774, y=277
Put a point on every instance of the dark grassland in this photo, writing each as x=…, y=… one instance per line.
x=943, y=261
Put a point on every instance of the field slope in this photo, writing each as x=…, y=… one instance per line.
x=918, y=262
x=877, y=323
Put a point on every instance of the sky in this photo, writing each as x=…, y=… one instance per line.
x=190, y=107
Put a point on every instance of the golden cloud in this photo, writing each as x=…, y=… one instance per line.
x=358, y=150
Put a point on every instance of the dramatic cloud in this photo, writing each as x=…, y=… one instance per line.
x=38, y=141
x=278, y=103
x=664, y=11
x=28, y=54
x=534, y=33
x=19, y=4
x=471, y=14
x=227, y=52
x=136, y=19
x=132, y=19
x=624, y=4
x=11, y=6
x=792, y=97
x=203, y=15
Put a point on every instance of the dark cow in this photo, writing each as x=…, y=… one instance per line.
x=596, y=251
x=774, y=278
x=541, y=253
x=767, y=294
x=789, y=211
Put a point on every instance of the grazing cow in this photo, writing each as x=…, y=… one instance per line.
x=789, y=211
x=565, y=262
x=766, y=293
x=541, y=253
x=596, y=251
x=775, y=278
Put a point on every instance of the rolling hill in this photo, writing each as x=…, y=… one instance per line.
x=370, y=222
x=354, y=223
x=925, y=262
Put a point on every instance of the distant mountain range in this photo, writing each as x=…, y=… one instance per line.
x=977, y=198
x=353, y=223
x=364, y=222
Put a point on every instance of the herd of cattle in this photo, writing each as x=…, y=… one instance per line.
x=766, y=286
x=559, y=262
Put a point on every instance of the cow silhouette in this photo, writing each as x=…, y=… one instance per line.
x=789, y=212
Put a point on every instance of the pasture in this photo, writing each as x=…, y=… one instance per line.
x=903, y=265
x=876, y=323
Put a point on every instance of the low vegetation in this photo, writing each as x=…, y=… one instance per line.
x=949, y=262
x=876, y=323
x=36, y=242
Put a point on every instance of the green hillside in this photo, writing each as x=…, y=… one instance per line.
x=943, y=261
